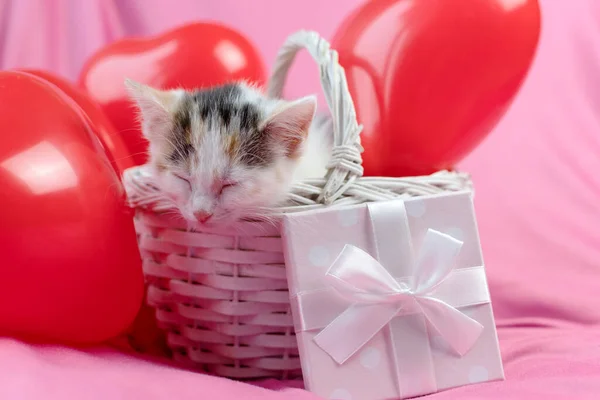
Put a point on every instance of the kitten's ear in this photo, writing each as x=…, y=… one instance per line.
x=155, y=107
x=288, y=126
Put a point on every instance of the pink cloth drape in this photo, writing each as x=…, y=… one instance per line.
x=537, y=181
x=536, y=177
x=59, y=35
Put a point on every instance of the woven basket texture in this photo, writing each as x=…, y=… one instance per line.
x=221, y=293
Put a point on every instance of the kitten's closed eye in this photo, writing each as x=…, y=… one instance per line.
x=220, y=186
x=183, y=178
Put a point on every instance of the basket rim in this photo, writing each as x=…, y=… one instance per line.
x=143, y=193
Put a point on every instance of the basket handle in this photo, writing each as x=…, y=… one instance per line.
x=345, y=164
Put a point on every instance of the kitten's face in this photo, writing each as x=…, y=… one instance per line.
x=223, y=153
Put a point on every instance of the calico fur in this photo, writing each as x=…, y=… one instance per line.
x=229, y=152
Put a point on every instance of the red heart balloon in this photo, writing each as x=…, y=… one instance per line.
x=193, y=56
x=117, y=151
x=71, y=270
x=430, y=79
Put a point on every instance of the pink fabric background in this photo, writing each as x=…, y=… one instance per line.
x=537, y=180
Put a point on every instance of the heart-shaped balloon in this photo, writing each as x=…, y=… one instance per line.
x=71, y=270
x=430, y=79
x=117, y=151
x=193, y=56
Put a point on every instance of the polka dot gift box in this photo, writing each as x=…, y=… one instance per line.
x=390, y=299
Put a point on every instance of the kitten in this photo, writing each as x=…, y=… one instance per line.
x=225, y=153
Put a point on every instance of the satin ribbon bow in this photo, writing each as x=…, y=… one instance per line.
x=376, y=298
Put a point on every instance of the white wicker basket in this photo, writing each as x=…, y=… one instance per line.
x=221, y=294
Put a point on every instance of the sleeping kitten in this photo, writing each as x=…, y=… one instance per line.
x=224, y=153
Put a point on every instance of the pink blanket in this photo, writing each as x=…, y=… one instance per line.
x=541, y=363
x=537, y=199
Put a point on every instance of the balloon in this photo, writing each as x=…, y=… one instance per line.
x=193, y=56
x=430, y=79
x=117, y=151
x=71, y=269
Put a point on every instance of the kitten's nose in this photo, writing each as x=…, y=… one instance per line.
x=202, y=216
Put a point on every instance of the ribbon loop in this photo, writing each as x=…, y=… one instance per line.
x=355, y=271
x=435, y=261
